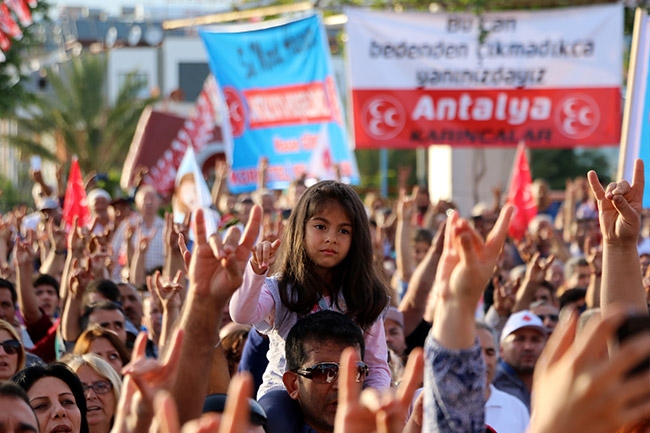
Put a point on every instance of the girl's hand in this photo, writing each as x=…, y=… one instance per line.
x=619, y=206
x=264, y=256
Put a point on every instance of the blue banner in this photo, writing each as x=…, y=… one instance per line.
x=283, y=103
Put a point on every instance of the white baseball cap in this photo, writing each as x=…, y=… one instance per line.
x=520, y=320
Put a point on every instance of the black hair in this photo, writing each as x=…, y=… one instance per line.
x=6, y=284
x=322, y=326
x=572, y=295
x=46, y=280
x=101, y=305
x=27, y=377
x=423, y=235
x=11, y=389
x=365, y=292
x=107, y=288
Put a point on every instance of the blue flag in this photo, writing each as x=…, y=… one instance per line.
x=283, y=103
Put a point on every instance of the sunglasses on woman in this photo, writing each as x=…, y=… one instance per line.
x=11, y=347
x=327, y=372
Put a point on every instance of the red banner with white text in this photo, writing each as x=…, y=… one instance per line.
x=541, y=118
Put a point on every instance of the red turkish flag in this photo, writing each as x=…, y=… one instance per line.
x=5, y=42
x=74, y=203
x=21, y=9
x=7, y=23
x=520, y=195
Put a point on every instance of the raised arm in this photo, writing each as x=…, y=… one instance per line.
x=173, y=256
x=215, y=273
x=454, y=383
x=24, y=256
x=465, y=268
x=403, y=236
x=534, y=276
x=619, y=213
x=54, y=262
x=414, y=302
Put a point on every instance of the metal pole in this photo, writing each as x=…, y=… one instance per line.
x=420, y=165
x=383, y=172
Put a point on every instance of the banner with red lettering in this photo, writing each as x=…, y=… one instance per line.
x=549, y=78
x=278, y=82
x=198, y=131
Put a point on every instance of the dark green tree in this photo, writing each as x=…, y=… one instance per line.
x=557, y=165
x=13, y=71
x=79, y=116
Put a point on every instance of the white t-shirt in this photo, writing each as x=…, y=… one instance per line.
x=505, y=413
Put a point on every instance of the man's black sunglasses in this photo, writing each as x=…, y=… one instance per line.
x=327, y=372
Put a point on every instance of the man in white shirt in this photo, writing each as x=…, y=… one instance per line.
x=503, y=412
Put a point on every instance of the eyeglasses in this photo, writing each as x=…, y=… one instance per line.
x=552, y=317
x=327, y=372
x=11, y=347
x=100, y=387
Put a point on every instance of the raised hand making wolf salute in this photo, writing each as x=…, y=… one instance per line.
x=592, y=372
x=215, y=272
x=619, y=213
x=454, y=381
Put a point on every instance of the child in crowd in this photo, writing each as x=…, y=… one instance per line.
x=325, y=263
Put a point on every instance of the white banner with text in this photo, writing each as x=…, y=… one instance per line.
x=550, y=78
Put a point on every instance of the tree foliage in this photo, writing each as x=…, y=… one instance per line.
x=79, y=117
x=558, y=165
x=13, y=71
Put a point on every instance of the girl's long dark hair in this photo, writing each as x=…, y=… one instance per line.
x=355, y=278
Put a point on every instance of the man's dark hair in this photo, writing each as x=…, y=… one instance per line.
x=423, y=235
x=13, y=391
x=321, y=327
x=46, y=280
x=6, y=284
x=106, y=288
x=10, y=389
x=572, y=295
x=101, y=305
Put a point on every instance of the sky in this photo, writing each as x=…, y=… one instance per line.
x=114, y=6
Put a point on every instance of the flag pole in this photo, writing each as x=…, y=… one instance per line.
x=631, y=103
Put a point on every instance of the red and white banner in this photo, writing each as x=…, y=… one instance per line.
x=549, y=78
x=198, y=131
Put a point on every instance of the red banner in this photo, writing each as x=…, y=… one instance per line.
x=496, y=117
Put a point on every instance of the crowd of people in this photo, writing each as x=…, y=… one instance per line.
x=320, y=309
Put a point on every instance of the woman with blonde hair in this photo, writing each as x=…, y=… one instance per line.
x=12, y=352
x=105, y=344
x=102, y=386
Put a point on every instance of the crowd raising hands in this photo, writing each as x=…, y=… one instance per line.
x=151, y=300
